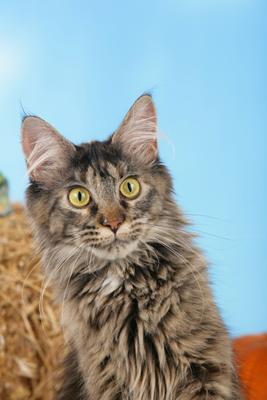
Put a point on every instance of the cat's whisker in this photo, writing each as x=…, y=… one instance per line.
x=47, y=281
x=90, y=251
x=36, y=264
x=68, y=282
x=172, y=236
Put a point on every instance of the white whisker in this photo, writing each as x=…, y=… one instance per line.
x=68, y=282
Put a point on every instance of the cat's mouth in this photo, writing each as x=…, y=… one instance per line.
x=111, y=245
x=115, y=241
x=110, y=241
x=115, y=247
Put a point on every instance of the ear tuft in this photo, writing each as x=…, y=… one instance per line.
x=138, y=132
x=46, y=151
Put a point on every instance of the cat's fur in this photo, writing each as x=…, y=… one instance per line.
x=138, y=313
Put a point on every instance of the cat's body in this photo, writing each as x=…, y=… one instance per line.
x=136, y=304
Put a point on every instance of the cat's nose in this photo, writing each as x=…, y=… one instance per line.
x=113, y=222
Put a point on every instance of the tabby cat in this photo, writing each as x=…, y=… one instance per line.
x=137, y=308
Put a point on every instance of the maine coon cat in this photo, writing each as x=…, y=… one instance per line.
x=137, y=308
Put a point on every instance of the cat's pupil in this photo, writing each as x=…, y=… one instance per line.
x=79, y=196
x=130, y=188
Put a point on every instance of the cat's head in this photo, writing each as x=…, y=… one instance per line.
x=102, y=196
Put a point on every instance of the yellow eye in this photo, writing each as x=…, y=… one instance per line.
x=130, y=188
x=79, y=197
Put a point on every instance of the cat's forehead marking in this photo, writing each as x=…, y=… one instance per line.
x=90, y=174
x=105, y=171
x=100, y=181
x=113, y=171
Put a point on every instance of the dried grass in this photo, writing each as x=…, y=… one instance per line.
x=30, y=344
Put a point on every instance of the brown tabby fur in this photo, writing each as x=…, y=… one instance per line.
x=138, y=313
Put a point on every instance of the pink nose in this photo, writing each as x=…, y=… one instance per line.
x=113, y=223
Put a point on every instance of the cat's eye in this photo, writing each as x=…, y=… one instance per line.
x=130, y=188
x=79, y=197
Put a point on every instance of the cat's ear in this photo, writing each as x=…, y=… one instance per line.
x=47, y=152
x=137, y=135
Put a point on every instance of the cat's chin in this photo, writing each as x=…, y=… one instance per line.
x=115, y=251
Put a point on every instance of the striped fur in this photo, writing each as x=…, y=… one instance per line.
x=138, y=312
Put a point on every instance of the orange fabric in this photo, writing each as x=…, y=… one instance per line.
x=251, y=355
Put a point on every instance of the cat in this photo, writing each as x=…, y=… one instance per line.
x=137, y=308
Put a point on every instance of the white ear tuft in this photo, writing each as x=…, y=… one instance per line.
x=47, y=152
x=138, y=132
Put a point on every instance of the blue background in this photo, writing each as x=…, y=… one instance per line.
x=80, y=65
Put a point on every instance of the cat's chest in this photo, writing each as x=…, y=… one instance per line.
x=114, y=322
x=107, y=305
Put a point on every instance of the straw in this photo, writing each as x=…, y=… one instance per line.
x=30, y=344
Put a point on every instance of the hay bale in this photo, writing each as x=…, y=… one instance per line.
x=30, y=340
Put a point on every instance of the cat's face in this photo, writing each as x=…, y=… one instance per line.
x=101, y=196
